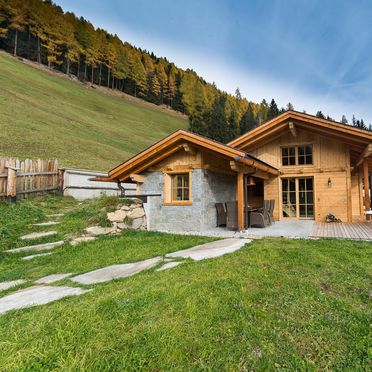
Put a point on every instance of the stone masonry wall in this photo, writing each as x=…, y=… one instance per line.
x=208, y=188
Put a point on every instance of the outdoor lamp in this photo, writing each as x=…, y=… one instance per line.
x=329, y=182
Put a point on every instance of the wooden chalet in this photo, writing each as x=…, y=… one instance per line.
x=309, y=166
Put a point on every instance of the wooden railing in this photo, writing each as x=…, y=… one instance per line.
x=20, y=179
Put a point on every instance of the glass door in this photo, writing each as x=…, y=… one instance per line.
x=298, y=197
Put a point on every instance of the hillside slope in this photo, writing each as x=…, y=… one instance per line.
x=42, y=115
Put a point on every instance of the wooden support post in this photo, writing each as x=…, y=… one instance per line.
x=61, y=180
x=11, y=185
x=240, y=199
x=367, y=200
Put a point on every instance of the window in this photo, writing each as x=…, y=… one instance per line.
x=180, y=187
x=297, y=155
x=289, y=155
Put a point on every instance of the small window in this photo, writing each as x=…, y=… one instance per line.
x=180, y=187
x=289, y=155
x=305, y=155
x=297, y=155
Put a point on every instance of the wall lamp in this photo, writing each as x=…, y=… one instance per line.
x=329, y=182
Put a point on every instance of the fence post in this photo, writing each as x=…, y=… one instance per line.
x=11, y=185
x=61, y=174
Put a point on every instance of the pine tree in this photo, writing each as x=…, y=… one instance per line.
x=320, y=115
x=17, y=20
x=289, y=107
x=344, y=120
x=233, y=128
x=238, y=95
x=199, y=122
x=247, y=121
x=218, y=125
x=273, y=110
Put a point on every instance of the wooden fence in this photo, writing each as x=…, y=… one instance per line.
x=21, y=179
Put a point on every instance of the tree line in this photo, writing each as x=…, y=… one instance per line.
x=39, y=30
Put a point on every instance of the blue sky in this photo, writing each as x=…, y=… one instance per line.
x=315, y=54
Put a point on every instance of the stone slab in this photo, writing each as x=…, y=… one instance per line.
x=169, y=265
x=36, y=295
x=55, y=215
x=116, y=271
x=10, y=284
x=36, y=255
x=52, y=278
x=82, y=239
x=37, y=235
x=211, y=250
x=98, y=230
x=49, y=223
x=37, y=247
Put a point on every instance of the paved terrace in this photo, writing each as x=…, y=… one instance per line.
x=297, y=229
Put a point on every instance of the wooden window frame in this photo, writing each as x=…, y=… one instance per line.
x=296, y=156
x=168, y=188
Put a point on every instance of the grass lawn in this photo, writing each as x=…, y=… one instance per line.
x=47, y=116
x=275, y=304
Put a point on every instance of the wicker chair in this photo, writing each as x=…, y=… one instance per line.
x=261, y=217
x=221, y=214
x=232, y=215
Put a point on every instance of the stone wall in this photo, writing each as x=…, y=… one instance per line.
x=208, y=188
x=130, y=215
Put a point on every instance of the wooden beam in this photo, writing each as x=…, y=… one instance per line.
x=292, y=128
x=239, y=167
x=366, y=152
x=138, y=178
x=240, y=199
x=189, y=149
x=367, y=200
x=218, y=170
x=262, y=175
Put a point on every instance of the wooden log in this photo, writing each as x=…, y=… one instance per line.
x=240, y=199
x=11, y=186
x=367, y=200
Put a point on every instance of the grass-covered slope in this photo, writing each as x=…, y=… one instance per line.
x=48, y=116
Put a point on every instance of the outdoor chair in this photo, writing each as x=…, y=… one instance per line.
x=221, y=214
x=271, y=211
x=232, y=215
x=261, y=217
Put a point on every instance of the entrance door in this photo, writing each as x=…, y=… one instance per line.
x=298, y=197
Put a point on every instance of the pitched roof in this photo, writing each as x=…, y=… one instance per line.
x=174, y=142
x=278, y=125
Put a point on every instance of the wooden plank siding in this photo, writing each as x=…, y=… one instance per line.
x=22, y=178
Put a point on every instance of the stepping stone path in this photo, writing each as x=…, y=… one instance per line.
x=37, y=235
x=169, y=265
x=116, y=271
x=211, y=250
x=36, y=295
x=82, y=239
x=35, y=256
x=49, y=223
x=10, y=284
x=37, y=247
x=52, y=278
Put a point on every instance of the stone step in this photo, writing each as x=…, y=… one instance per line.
x=52, y=278
x=37, y=247
x=49, y=223
x=116, y=271
x=36, y=295
x=169, y=265
x=10, y=284
x=37, y=235
x=56, y=215
x=82, y=239
x=36, y=255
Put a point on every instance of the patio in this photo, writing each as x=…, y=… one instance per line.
x=296, y=229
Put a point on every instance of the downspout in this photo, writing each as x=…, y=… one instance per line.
x=246, y=214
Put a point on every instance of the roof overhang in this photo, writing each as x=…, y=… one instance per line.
x=175, y=142
x=277, y=126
